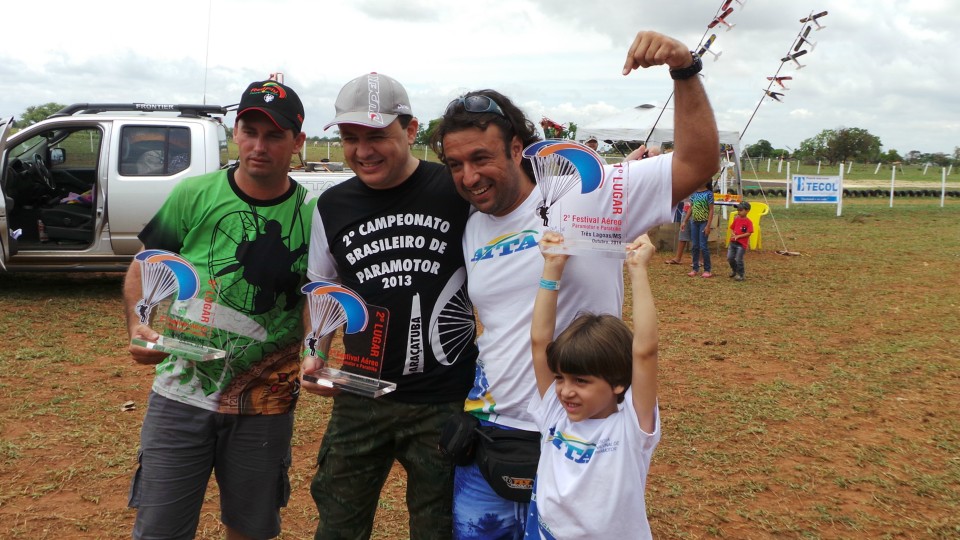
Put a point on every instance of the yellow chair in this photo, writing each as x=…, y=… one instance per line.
x=757, y=210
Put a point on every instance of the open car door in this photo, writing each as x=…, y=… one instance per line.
x=6, y=242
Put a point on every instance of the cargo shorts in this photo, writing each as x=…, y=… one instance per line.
x=363, y=439
x=181, y=444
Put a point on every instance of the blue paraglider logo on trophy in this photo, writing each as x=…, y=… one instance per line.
x=591, y=219
x=169, y=284
x=332, y=306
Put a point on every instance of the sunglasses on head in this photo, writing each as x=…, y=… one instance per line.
x=475, y=104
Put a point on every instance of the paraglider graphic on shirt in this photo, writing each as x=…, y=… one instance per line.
x=332, y=306
x=452, y=325
x=590, y=219
x=170, y=285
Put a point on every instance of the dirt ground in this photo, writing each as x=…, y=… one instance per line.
x=817, y=399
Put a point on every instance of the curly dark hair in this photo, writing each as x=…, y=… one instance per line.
x=511, y=123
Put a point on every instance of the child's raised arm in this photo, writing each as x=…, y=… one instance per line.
x=645, y=336
x=545, y=310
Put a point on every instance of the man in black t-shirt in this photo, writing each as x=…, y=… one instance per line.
x=393, y=235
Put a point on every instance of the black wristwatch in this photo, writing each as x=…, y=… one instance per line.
x=689, y=71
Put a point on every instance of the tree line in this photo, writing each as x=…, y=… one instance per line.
x=830, y=145
x=849, y=144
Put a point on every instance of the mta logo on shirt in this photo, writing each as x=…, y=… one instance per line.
x=574, y=449
x=506, y=244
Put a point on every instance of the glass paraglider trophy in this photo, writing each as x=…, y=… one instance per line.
x=591, y=219
x=169, y=306
x=332, y=305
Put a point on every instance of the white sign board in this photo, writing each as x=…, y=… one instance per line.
x=815, y=189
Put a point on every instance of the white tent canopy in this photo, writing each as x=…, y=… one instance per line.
x=634, y=125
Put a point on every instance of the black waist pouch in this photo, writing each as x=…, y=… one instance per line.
x=458, y=438
x=508, y=458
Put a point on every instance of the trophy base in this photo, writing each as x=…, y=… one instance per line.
x=351, y=382
x=183, y=349
x=611, y=250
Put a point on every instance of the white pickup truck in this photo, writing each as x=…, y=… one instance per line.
x=77, y=187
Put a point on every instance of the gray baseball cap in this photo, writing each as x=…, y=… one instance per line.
x=372, y=100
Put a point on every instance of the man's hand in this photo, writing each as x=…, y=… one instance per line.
x=655, y=49
x=143, y=355
x=638, y=154
x=310, y=365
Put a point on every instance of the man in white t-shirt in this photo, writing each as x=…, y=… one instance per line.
x=481, y=138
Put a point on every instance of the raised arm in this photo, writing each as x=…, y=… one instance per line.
x=696, y=143
x=643, y=385
x=544, y=322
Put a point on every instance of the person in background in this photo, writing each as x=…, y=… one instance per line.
x=740, y=230
x=592, y=143
x=683, y=237
x=698, y=220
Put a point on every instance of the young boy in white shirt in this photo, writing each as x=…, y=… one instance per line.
x=597, y=410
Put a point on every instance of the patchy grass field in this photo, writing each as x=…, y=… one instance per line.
x=817, y=399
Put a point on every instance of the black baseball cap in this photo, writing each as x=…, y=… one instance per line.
x=277, y=101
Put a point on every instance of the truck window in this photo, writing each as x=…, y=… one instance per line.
x=154, y=151
x=81, y=150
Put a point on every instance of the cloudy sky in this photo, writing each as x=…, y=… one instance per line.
x=887, y=66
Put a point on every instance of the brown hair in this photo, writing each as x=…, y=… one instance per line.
x=595, y=345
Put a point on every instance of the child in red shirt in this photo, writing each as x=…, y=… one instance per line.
x=740, y=231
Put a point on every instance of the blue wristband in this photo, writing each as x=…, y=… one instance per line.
x=549, y=284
